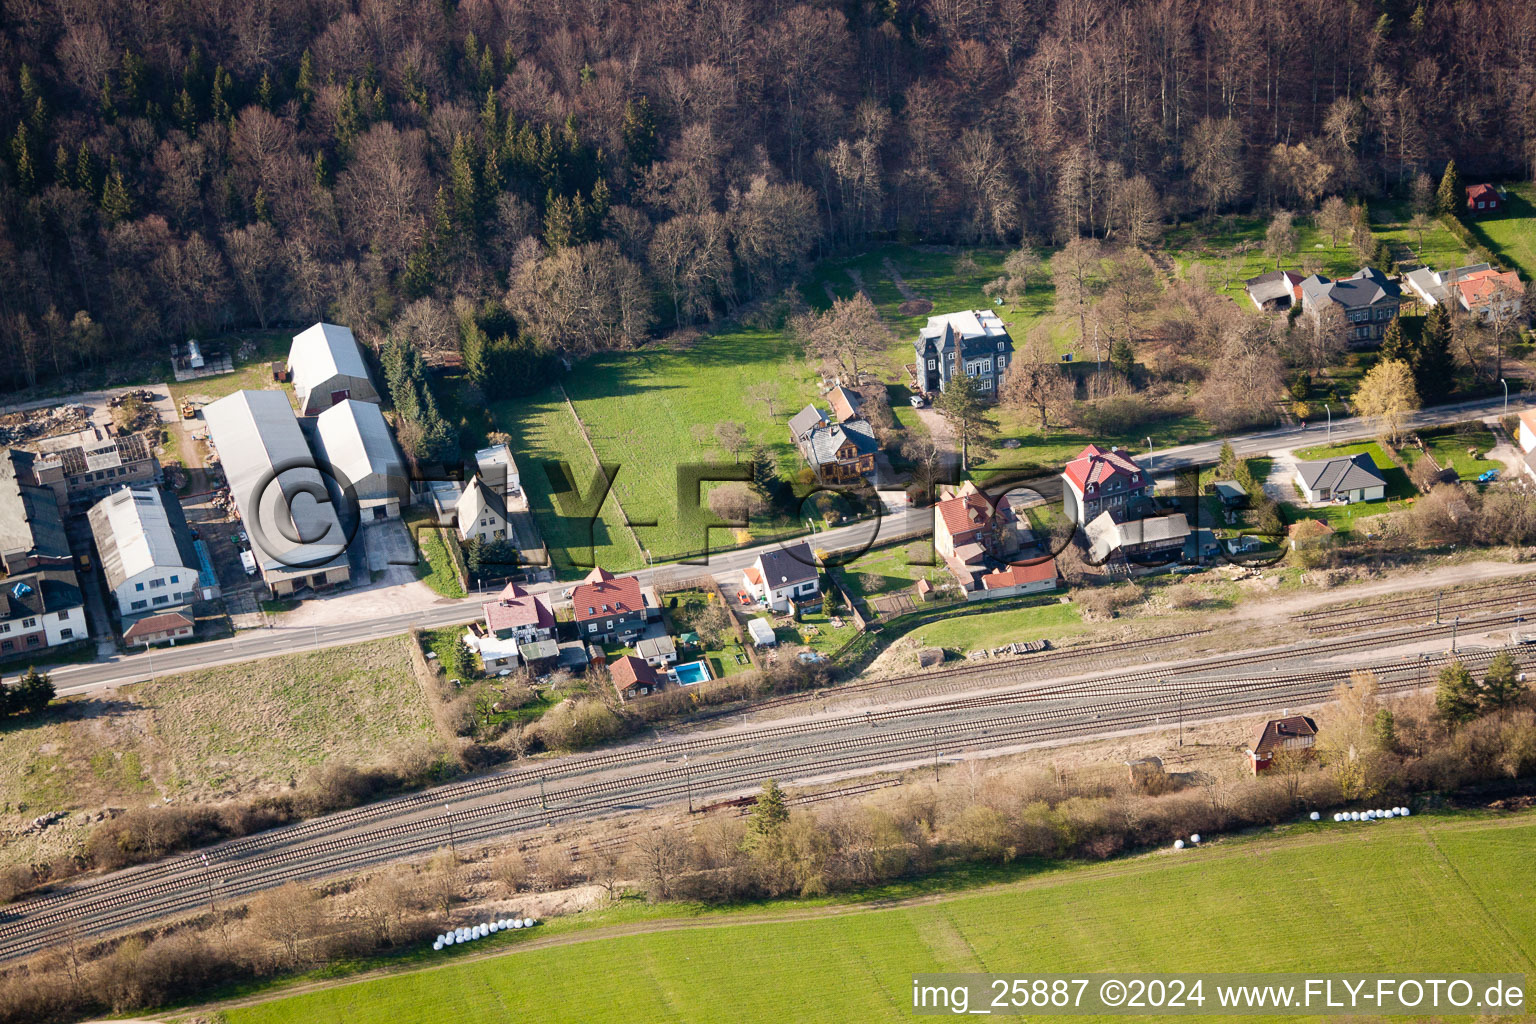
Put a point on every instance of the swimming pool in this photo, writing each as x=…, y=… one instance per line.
x=691, y=672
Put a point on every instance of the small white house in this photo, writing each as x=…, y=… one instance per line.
x=146, y=549
x=482, y=513
x=783, y=575
x=658, y=651
x=1346, y=479
x=40, y=609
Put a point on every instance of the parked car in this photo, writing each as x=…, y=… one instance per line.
x=918, y=401
x=248, y=560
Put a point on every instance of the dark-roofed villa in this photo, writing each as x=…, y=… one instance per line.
x=1346, y=479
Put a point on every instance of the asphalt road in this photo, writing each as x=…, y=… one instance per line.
x=264, y=643
x=976, y=711
x=85, y=678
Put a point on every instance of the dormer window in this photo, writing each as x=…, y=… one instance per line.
x=1000, y=346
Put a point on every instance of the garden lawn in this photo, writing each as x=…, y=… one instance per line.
x=434, y=565
x=815, y=631
x=1513, y=232
x=723, y=660
x=1436, y=248
x=965, y=632
x=893, y=568
x=1404, y=896
x=1449, y=447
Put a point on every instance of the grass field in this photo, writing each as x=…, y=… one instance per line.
x=1449, y=447
x=1212, y=244
x=652, y=411
x=1414, y=895
x=435, y=566
x=1513, y=233
x=993, y=629
x=215, y=732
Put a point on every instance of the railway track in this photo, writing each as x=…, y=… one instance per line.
x=1096, y=654
x=1187, y=679
x=98, y=911
x=1485, y=595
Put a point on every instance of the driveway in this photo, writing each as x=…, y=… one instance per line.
x=383, y=583
x=943, y=435
x=92, y=587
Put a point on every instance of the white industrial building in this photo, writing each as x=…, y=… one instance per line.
x=147, y=553
x=296, y=537
x=327, y=367
x=357, y=448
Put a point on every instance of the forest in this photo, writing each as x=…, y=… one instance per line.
x=497, y=182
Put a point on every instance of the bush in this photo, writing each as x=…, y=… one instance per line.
x=577, y=724
x=1105, y=602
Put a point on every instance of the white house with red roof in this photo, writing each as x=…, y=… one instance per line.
x=973, y=534
x=608, y=607
x=519, y=616
x=1099, y=480
x=1022, y=578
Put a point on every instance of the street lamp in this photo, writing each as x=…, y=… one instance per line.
x=1330, y=420
x=1149, y=451
x=1506, y=395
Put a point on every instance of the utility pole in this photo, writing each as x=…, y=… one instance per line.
x=1455, y=627
x=1437, y=606
x=448, y=820
x=935, y=755
x=208, y=878
x=688, y=781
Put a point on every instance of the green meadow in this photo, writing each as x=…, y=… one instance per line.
x=1417, y=895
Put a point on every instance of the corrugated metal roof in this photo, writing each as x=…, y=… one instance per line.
x=358, y=448
x=322, y=352
x=273, y=478
x=136, y=529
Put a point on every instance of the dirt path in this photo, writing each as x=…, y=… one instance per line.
x=858, y=282
x=940, y=430
x=900, y=283
x=1397, y=583
x=1153, y=860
